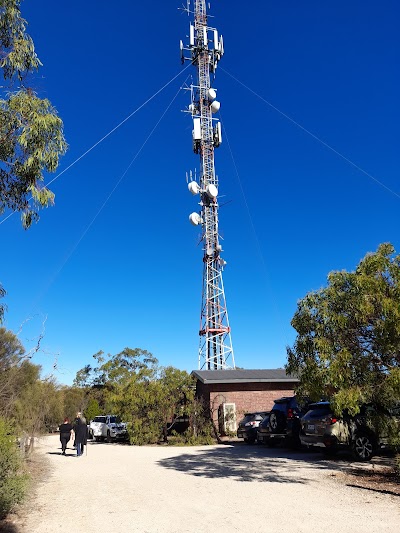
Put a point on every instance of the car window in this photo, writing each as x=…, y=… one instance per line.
x=113, y=419
x=293, y=403
x=280, y=407
x=100, y=419
x=248, y=417
x=319, y=412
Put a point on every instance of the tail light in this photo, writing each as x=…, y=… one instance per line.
x=332, y=420
x=290, y=413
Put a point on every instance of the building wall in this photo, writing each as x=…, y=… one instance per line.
x=246, y=396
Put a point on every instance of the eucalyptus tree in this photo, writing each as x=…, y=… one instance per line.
x=31, y=132
x=11, y=356
x=348, y=335
x=147, y=396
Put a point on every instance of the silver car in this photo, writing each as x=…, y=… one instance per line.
x=321, y=428
x=108, y=427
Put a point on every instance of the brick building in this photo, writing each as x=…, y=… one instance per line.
x=231, y=393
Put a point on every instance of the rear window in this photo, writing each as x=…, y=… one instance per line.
x=293, y=403
x=280, y=406
x=100, y=419
x=252, y=416
x=265, y=422
x=319, y=412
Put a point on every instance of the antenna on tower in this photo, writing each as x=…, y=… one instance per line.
x=186, y=8
x=204, y=50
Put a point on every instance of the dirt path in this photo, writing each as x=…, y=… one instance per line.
x=202, y=489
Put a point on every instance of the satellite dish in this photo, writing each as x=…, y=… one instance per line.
x=212, y=94
x=212, y=191
x=193, y=187
x=195, y=219
x=215, y=106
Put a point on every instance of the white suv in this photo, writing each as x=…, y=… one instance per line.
x=108, y=427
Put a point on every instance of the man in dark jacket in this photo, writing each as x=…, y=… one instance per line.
x=80, y=429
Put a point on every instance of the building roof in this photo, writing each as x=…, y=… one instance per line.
x=244, y=376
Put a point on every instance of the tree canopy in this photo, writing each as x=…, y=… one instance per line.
x=348, y=335
x=31, y=133
x=132, y=385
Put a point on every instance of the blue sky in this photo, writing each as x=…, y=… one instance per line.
x=291, y=208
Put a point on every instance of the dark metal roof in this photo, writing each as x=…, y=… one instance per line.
x=244, y=376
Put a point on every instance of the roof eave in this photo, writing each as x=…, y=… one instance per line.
x=284, y=380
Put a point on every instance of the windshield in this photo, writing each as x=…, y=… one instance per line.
x=100, y=419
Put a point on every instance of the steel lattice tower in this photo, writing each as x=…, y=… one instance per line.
x=205, y=49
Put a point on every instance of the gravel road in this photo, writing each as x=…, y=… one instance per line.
x=224, y=488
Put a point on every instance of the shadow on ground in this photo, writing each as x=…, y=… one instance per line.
x=8, y=527
x=242, y=462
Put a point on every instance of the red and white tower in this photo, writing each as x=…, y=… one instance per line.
x=205, y=50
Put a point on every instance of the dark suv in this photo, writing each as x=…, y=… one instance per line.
x=247, y=429
x=283, y=424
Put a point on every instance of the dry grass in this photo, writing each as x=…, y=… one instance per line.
x=38, y=468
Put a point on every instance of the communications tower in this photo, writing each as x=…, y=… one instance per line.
x=204, y=50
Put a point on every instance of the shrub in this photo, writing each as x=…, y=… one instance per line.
x=142, y=431
x=397, y=465
x=13, y=479
x=189, y=439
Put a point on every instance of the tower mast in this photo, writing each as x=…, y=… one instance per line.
x=205, y=49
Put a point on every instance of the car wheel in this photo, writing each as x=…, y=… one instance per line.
x=251, y=440
x=277, y=422
x=246, y=439
x=97, y=439
x=363, y=447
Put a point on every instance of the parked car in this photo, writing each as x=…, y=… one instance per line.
x=283, y=423
x=179, y=424
x=321, y=428
x=263, y=430
x=108, y=427
x=248, y=426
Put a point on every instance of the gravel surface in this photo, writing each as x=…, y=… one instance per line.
x=224, y=488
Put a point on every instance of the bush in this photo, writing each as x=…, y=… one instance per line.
x=13, y=479
x=142, y=432
x=189, y=439
x=397, y=465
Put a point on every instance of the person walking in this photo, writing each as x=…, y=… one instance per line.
x=66, y=430
x=80, y=429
